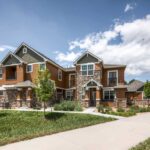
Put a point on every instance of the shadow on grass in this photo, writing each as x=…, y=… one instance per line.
x=3, y=114
x=54, y=116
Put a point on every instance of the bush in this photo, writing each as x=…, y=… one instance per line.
x=68, y=106
x=120, y=110
x=108, y=109
x=100, y=108
x=78, y=106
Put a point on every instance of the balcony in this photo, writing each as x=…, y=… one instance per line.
x=11, y=73
x=112, y=82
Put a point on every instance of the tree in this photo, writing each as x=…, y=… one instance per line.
x=45, y=87
x=147, y=89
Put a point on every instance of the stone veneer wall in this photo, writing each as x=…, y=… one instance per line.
x=81, y=80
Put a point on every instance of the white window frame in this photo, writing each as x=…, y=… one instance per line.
x=1, y=72
x=108, y=75
x=87, y=64
x=40, y=66
x=27, y=68
x=70, y=93
x=59, y=75
x=109, y=90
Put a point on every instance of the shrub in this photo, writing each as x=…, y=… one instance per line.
x=78, y=106
x=68, y=106
x=100, y=108
x=120, y=110
x=107, y=109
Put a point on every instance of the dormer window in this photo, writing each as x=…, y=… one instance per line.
x=24, y=50
x=87, y=69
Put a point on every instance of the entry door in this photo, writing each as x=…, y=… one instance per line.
x=93, y=98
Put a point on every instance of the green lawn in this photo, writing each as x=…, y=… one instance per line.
x=19, y=125
x=142, y=146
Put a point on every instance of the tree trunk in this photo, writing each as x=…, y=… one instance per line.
x=44, y=109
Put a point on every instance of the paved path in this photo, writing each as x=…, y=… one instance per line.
x=117, y=135
x=90, y=110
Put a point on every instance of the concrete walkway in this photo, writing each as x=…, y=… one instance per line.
x=90, y=110
x=117, y=135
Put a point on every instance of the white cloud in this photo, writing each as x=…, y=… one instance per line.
x=126, y=43
x=129, y=7
x=6, y=47
x=69, y=56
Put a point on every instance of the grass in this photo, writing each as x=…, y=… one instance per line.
x=18, y=125
x=142, y=146
x=124, y=114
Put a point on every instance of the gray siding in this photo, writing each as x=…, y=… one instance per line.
x=11, y=60
x=30, y=56
x=87, y=59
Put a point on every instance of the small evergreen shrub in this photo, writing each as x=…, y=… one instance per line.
x=68, y=106
x=100, y=108
x=120, y=110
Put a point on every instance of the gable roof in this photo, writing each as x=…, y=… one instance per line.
x=40, y=54
x=12, y=54
x=135, y=86
x=86, y=53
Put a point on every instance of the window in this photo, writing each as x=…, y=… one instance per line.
x=112, y=78
x=69, y=94
x=42, y=66
x=29, y=68
x=1, y=93
x=109, y=95
x=87, y=69
x=59, y=75
x=24, y=50
x=1, y=73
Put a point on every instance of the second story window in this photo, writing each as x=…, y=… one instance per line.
x=1, y=73
x=87, y=69
x=29, y=68
x=112, y=78
x=59, y=75
x=42, y=66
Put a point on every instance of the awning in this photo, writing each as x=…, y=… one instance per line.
x=25, y=84
x=2, y=88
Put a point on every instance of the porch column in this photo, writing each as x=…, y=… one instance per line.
x=19, y=100
x=98, y=95
x=29, y=97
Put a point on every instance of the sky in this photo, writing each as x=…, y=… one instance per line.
x=118, y=31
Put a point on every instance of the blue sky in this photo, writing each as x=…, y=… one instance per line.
x=59, y=29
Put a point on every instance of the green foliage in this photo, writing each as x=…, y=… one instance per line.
x=142, y=146
x=100, y=108
x=68, y=106
x=103, y=109
x=147, y=89
x=45, y=87
x=120, y=110
x=124, y=114
x=21, y=125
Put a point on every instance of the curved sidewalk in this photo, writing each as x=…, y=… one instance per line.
x=117, y=135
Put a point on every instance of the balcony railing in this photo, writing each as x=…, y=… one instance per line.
x=112, y=81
